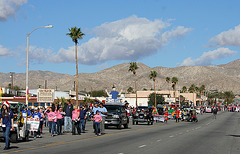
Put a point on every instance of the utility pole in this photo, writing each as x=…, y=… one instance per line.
x=11, y=76
x=45, y=84
x=74, y=85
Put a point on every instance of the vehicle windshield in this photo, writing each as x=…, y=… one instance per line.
x=113, y=108
x=142, y=108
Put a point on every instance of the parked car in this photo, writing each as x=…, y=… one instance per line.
x=116, y=116
x=143, y=114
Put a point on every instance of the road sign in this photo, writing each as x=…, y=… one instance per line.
x=45, y=95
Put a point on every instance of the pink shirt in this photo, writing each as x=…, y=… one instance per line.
x=60, y=114
x=97, y=118
x=75, y=114
x=52, y=116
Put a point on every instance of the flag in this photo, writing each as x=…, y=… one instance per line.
x=27, y=94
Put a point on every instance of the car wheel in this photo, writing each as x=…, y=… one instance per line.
x=148, y=122
x=133, y=122
x=13, y=138
x=125, y=126
x=136, y=122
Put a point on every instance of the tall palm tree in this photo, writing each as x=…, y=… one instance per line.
x=133, y=67
x=168, y=81
x=175, y=81
x=75, y=34
x=153, y=76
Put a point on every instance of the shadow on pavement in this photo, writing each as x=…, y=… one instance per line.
x=234, y=135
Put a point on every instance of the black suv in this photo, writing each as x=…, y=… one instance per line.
x=143, y=114
x=116, y=116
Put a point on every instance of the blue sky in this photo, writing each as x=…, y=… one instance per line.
x=155, y=32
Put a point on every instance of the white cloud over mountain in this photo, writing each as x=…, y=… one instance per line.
x=9, y=7
x=4, y=51
x=207, y=57
x=228, y=38
x=131, y=38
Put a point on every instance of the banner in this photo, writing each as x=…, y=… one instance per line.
x=45, y=95
x=34, y=124
x=110, y=100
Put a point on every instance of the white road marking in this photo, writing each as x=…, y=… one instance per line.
x=142, y=146
x=159, y=140
x=171, y=136
x=180, y=133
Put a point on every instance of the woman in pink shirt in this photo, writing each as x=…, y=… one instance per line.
x=97, y=121
x=75, y=121
x=52, y=119
x=60, y=119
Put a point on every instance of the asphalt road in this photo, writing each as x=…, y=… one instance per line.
x=220, y=136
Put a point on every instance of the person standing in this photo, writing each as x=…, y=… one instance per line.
x=38, y=116
x=103, y=113
x=82, y=117
x=94, y=111
x=60, y=121
x=215, y=110
x=52, y=121
x=97, y=120
x=68, y=108
x=177, y=113
x=75, y=121
x=6, y=117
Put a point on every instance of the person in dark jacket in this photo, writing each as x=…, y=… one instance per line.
x=68, y=108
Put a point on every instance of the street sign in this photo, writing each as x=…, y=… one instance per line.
x=45, y=95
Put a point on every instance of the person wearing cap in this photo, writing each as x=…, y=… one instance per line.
x=103, y=113
x=26, y=113
x=38, y=116
x=6, y=118
x=82, y=117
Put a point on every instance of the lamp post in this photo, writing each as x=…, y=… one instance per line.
x=27, y=90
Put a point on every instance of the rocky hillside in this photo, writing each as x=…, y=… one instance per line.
x=222, y=77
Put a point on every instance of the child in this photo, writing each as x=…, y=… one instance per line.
x=98, y=120
x=52, y=121
x=60, y=114
x=75, y=121
x=37, y=116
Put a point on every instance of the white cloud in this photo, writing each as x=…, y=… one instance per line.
x=9, y=7
x=230, y=37
x=208, y=57
x=128, y=39
x=5, y=51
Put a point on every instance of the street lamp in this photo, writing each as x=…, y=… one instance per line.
x=27, y=90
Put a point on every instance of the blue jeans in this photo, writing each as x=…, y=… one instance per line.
x=52, y=125
x=82, y=125
x=97, y=128
x=6, y=131
x=67, y=121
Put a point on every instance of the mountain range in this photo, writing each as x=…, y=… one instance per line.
x=224, y=77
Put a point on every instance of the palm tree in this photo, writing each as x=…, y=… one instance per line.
x=184, y=89
x=174, y=81
x=168, y=81
x=153, y=76
x=133, y=67
x=75, y=34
